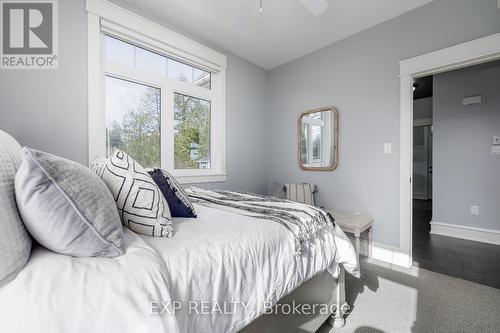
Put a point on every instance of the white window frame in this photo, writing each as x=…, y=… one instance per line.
x=326, y=148
x=105, y=18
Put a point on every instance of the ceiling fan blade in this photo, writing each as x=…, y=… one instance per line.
x=316, y=7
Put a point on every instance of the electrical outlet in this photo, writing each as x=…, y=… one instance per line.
x=496, y=140
x=474, y=210
x=495, y=150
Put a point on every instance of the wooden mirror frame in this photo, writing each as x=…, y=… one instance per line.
x=335, y=136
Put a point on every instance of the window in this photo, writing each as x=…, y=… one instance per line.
x=120, y=52
x=133, y=113
x=192, y=132
x=124, y=53
x=150, y=62
x=156, y=95
x=182, y=72
x=135, y=80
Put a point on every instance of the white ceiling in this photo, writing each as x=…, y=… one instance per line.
x=283, y=32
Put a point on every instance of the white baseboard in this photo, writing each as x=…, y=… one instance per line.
x=390, y=254
x=381, y=252
x=471, y=233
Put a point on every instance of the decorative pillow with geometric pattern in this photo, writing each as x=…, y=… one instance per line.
x=177, y=198
x=141, y=206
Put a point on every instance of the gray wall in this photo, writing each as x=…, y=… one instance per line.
x=246, y=97
x=465, y=171
x=422, y=108
x=48, y=109
x=359, y=76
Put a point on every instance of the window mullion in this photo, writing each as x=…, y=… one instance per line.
x=167, y=128
x=214, y=152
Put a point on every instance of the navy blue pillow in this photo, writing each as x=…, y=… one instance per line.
x=177, y=198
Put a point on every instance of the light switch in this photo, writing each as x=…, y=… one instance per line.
x=495, y=150
x=387, y=148
x=496, y=140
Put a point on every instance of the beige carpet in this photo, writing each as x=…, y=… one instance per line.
x=393, y=299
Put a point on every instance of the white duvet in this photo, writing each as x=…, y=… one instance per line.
x=217, y=274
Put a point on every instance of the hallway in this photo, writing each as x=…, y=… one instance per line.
x=468, y=260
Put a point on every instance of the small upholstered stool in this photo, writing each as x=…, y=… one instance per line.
x=354, y=223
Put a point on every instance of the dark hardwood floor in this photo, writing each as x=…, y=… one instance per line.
x=468, y=260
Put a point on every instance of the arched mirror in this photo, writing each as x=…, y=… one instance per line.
x=318, y=139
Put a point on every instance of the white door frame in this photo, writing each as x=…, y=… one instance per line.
x=462, y=55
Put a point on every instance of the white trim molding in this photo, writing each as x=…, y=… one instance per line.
x=106, y=18
x=465, y=232
x=96, y=123
x=406, y=166
x=454, y=57
x=462, y=55
x=114, y=16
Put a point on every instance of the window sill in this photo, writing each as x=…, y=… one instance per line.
x=193, y=179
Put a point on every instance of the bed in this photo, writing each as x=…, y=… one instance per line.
x=221, y=272
x=218, y=257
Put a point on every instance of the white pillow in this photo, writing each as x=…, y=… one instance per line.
x=141, y=206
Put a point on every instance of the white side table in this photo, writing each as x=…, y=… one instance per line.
x=354, y=223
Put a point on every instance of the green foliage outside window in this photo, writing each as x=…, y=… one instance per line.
x=192, y=131
x=139, y=132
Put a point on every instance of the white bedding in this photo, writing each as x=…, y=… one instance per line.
x=218, y=257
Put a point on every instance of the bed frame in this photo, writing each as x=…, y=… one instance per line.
x=321, y=289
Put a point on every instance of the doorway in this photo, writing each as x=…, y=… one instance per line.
x=462, y=55
x=422, y=186
x=422, y=164
x=456, y=173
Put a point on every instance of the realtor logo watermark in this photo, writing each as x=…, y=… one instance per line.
x=29, y=34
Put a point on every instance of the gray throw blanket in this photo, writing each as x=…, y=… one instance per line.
x=305, y=222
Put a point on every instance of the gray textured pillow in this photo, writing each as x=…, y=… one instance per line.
x=15, y=242
x=66, y=207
